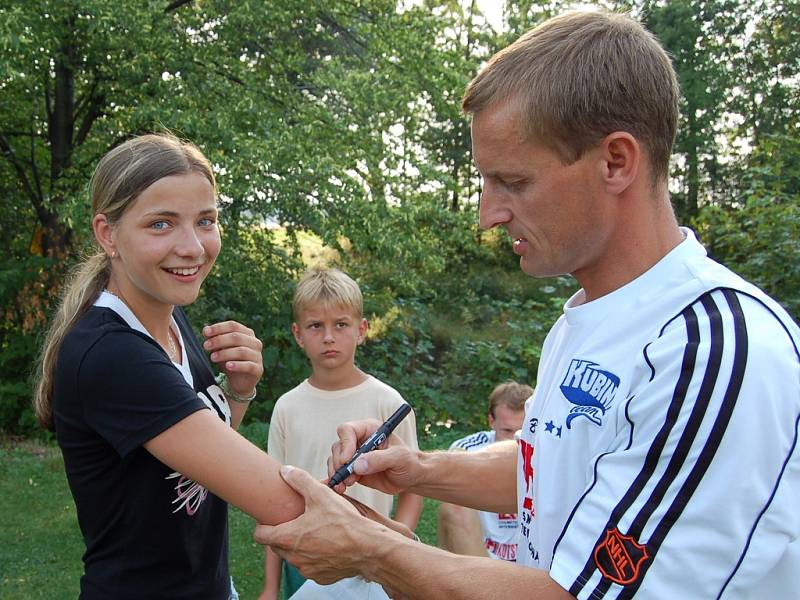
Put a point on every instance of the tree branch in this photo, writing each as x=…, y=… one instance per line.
x=94, y=112
x=175, y=5
x=8, y=151
x=34, y=170
x=219, y=70
x=13, y=133
x=48, y=104
x=344, y=31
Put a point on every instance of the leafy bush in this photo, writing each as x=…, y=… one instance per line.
x=24, y=293
x=758, y=233
x=448, y=380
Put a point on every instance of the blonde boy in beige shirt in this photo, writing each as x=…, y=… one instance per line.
x=329, y=326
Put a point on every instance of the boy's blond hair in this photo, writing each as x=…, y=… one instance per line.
x=511, y=395
x=578, y=77
x=328, y=287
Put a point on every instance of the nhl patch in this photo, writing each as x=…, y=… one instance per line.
x=620, y=557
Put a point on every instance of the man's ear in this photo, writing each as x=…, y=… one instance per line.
x=104, y=233
x=296, y=334
x=362, y=330
x=623, y=158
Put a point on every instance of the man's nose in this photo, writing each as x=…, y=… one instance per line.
x=491, y=213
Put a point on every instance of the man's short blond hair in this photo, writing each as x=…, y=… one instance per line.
x=581, y=76
x=510, y=394
x=327, y=287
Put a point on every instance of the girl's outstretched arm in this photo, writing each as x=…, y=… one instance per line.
x=205, y=449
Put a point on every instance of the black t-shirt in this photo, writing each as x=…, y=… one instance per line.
x=149, y=532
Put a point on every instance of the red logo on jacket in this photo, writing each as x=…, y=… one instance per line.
x=526, y=451
x=619, y=557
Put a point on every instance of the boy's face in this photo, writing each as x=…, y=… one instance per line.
x=329, y=335
x=505, y=422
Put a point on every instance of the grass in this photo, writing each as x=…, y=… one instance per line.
x=41, y=545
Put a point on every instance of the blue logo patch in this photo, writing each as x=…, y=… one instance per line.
x=591, y=391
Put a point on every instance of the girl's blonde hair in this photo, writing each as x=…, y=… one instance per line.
x=120, y=177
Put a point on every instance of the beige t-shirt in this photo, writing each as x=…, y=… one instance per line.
x=305, y=419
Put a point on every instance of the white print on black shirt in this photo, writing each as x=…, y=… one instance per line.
x=189, y=494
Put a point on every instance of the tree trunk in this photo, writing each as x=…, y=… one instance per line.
x=61, y=126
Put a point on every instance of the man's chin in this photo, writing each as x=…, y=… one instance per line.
x=538, y=271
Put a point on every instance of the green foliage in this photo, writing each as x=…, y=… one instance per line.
x=327, y=118
x=704, y=40
x=253, y=283
x=340, y=121
x=446, y=358
x=759, y=236
x=19, y=343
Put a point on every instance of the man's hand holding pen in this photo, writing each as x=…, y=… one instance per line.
x=392, y=469
x=337, y=550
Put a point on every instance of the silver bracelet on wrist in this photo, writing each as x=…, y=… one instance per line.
x=222, y=382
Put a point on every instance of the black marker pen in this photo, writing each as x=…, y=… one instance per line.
x=373, y=441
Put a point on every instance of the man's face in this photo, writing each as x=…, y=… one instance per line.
x=553, y=212
x=506, y=422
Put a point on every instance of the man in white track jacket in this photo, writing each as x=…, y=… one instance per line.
x=659, y=455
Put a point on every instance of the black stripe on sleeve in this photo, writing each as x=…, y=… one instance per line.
x=678, y=459
x=709, y=450
x=656, y=448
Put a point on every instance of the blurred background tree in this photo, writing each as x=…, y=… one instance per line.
x=337, y=138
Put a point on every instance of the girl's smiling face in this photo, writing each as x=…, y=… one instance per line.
x=165, y=244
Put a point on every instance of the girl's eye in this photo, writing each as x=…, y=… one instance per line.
x=159, y=225
x=206, y=222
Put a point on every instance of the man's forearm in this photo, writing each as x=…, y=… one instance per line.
x=423, y=572
x=481, y=480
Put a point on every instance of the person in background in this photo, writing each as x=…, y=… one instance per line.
x=329, y=326
x=659, y=456
x=477, y=533
x=147, y=433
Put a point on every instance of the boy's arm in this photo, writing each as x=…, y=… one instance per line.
x=272, y=562
x=237, y=413
x=276, y=446
x=272, y=575
x=409, y=507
